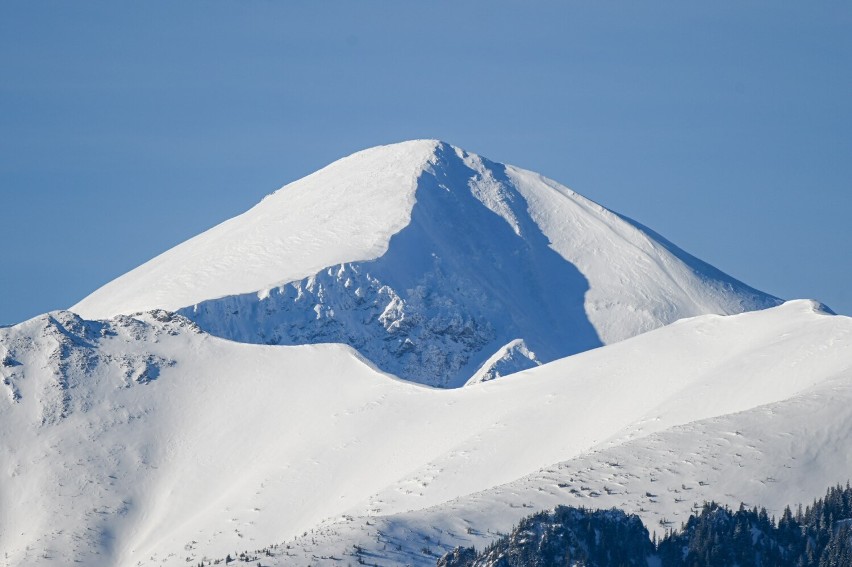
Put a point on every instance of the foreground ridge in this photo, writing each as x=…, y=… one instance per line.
x=144, y=440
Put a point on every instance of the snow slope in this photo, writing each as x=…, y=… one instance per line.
x=771, y=456
x=430, y=261
x=146, y=441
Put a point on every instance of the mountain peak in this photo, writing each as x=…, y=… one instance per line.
x=428, y=260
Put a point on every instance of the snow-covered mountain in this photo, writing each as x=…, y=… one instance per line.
x=430, y=261
x=144, y=440
x=151, y=425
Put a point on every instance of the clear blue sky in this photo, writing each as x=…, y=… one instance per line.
x=126, y=128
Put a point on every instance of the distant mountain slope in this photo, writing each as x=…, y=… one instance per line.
x=145, y=440
x=429, y=261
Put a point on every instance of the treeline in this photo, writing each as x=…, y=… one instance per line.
x=565, y=536
x=820, y=535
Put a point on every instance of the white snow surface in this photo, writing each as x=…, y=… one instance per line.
x=345, y=212
x=144, y=441
x=428, y=260
x=771, y=456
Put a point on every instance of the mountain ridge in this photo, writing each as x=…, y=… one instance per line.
x=132, y=438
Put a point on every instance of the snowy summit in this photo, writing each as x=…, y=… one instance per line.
x=436, y=264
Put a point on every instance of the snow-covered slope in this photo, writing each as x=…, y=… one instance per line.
x=430, y=261
x=771, y=456
x=145, y=440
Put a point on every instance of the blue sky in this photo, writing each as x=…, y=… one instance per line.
x=126, y=128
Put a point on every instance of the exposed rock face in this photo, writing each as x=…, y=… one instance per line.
x=420, y=334
x=69, y=348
